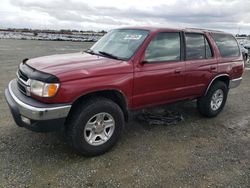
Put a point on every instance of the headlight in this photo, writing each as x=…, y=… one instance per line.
x=43, y=89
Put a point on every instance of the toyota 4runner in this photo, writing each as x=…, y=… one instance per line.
x=90, y=94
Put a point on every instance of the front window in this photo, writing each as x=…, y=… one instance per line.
x=120, y=43
x=164, y=47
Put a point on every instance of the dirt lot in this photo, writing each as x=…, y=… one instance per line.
x=197, y=152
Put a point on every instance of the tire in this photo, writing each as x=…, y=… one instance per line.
x=207, y=105
x=86, y=122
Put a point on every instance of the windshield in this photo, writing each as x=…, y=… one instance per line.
x=120, y=43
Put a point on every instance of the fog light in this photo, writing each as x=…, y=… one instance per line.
x=25, y=120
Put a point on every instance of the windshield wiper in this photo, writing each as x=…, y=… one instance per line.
x=108, y=55
x=90, y=51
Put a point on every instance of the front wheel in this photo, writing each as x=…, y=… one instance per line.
x=95, y=126
x=214, y=101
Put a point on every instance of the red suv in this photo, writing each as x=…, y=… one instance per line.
x=90, y=94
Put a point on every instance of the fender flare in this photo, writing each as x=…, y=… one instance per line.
x=211, y=82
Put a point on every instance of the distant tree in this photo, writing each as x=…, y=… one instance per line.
x=24, y=29
x=103, y=32
x=66, y=31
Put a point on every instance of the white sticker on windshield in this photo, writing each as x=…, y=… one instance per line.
x=132, y=37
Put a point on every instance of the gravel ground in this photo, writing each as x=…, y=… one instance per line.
x=197, y=152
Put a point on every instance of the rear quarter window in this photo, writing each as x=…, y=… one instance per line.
x=227, y=45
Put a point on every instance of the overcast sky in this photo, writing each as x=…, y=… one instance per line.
x=228, y=15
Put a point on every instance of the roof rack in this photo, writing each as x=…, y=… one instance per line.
x=209, y=30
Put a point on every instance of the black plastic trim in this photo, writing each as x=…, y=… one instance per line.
x=34, y=74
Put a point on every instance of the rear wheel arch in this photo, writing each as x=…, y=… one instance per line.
x=222, y=77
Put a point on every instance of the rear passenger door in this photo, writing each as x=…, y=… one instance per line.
x=201, y=63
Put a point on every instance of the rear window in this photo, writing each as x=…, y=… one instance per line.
x=197, y=47
x=227, y=45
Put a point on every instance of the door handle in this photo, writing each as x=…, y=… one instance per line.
x=177, y=71
x=213, y=68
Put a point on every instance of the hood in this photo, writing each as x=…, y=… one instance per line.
x=75, y=65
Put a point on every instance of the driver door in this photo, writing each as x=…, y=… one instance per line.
x=160, y=78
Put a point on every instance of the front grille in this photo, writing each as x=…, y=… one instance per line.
x=21, y=88
x=22, y=75
x=23, y=82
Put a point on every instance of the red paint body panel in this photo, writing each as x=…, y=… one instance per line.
x=80, y=65
x=119, y=82
x=142, y=84
x=158, y=83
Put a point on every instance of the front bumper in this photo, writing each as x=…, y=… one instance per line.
x=42, y=117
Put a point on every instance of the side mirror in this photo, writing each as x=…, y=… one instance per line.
x=144, y=62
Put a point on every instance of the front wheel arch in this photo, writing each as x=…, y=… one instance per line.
x=115, y=95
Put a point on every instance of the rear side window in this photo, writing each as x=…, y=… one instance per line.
x=197, y=47
x=164, y=47
x=227, y=45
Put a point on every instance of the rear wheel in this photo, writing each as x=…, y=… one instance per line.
x=95, y=126
x=214, y=101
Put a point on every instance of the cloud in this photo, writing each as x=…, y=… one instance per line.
x=229, y=15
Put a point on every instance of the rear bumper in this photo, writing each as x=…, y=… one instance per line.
x=34, y=115
x=235, y=82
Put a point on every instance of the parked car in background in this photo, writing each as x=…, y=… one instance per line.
x=244, y=51
x=247, y=46
x=91, y=94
